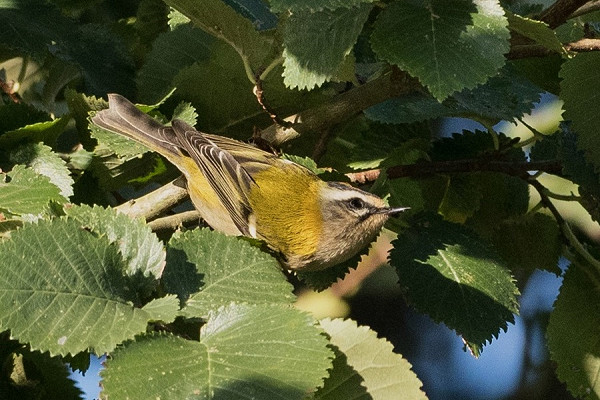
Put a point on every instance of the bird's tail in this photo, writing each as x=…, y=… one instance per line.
x=124, y=118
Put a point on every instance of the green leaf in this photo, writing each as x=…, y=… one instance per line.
x=312, y=54
x=47, y=132
x=529, y=242
x=579, y=90
x=44, y=161
x=222, y=78
x=503, y=197
x=139, y=246
x=456, y=278
x=35, y=375
x=503, y=97
x=17, y=115
x=208, y=269
x=261, y=351
x=218, y=19
x=27, y=192
x=573, y=332
x=449, y=45
x=185, y=112
x=256, y=11
x=537, y=31
x=314, y=5
x=113, y=171
x=171, y=52
x=120, y=145
x=151, y=20
x=55, y=273
x=461, y=200
x=364, y=361
x=36, y=27
x=80, y=105
x=163, y=308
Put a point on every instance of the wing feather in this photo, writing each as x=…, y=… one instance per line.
x=227, y=177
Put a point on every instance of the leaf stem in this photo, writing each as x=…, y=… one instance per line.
x=249, y=73
x=537, y=135
x=564, y=226
x=270, y=67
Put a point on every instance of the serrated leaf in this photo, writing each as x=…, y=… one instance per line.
x=573, y=332
x=364, y=361
x=37, y=375
x=44, y=161
x=529, y=242
x=222, y=78
x=113, y=171
x=79, y=106
x=208, y=269
x=538, y=31
x=47, y=132
x=256, y=11
x=171, y=52
x=151, y=20
x=449, y=45
x=461, y=200
x=27, y=192
x=579, y=91
x=456, y=278
x=314, y=5
x=140, y=248
x=17, y=115
x=503, y=196
x=262, y=351
x=163, y=308
x=312, y=54
x=36, y=27
x=54, y=273
x=503, y=97
x=218, y=19
x=185, y=112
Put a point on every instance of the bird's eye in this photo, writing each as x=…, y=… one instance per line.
x=356, y=203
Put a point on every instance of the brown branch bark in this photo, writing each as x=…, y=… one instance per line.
x=560, y=11
x=342, y=108
x=458, y=166
x=586, y=8
x=536, y=50
x=175, y=221
x=157, y=202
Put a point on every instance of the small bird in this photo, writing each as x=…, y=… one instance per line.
x=239, y=189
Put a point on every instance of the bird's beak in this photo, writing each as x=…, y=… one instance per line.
x=392, y=211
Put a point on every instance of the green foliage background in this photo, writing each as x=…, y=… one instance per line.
x=360, y=85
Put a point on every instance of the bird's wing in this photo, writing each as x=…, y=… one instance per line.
x=227, y=177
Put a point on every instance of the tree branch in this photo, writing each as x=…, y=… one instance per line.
x=560, y=11
x=512, y=168
x=586, y=8
x=175, y=221
x=342, y=108
x=157, y=202
x=535, y=50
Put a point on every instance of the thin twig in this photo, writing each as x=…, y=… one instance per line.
x=567, y=232
x=513, y=168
